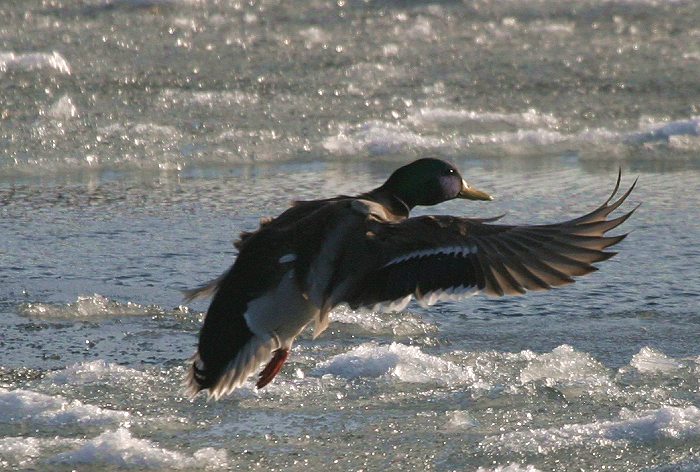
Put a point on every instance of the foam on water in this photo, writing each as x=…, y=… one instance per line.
x=421, y=28
x=552, y=28
x=25, y=406
x=147, y=4
x=119, y=448
x=666, y=423
x=382, y=138
x=87, y=306
x=11, y=61
x=400, y=362
x=528, y=137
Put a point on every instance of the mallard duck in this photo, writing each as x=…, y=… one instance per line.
x=365, y=251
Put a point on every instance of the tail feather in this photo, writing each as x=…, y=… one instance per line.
x=224, y=342
x=195, y=378
x=208, y=290
x=255, y=352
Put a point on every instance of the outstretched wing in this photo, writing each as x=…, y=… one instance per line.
x=434, y=258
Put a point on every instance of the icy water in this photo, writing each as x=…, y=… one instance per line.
x=138, y=137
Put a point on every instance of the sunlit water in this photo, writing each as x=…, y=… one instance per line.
x=138, y=137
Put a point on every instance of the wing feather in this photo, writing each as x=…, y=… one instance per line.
x=433, y=258
x=494, y=259
x=527, y=278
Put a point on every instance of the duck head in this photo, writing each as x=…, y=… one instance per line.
x=430, y=181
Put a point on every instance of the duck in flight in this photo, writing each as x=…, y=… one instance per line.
x=365, y=251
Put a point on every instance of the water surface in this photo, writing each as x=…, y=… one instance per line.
x=138, y=138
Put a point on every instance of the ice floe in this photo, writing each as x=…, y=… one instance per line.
x=649, y=360
x=207, y=99
x=665, y=132
x=667, y=423
x=460, y=420
x=22, y=452
x=403, y=325
x=120, y=449
x=94, y=371
x=87, y=306
x=569, y=371
x=63, y=109
x=11, y=61
x=513, y=467
x=397, y=361
x=379, y=138
x=26, y=406
x=462, y=129
x=530, y=117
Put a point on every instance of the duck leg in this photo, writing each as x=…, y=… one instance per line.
x=273, y=367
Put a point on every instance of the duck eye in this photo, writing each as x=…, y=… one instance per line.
x=449, y=171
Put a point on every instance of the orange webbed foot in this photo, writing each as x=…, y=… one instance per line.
x=273, y=367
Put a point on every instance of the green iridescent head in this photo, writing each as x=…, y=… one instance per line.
x=430, y=181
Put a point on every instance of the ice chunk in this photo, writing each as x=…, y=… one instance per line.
x=94, y=371
x=25, y=406
x=404, y=363
x=667, y=423
x=86, y=306
x=119, y=448
x=568, y=370
x=32, y=61
x=648, y=361
x=510, y=468
x=63, y=109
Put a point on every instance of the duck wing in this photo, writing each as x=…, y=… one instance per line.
x=435, y=258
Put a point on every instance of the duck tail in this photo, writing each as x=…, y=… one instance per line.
x=228, y=350
x=208, y=290
x=221, y=377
